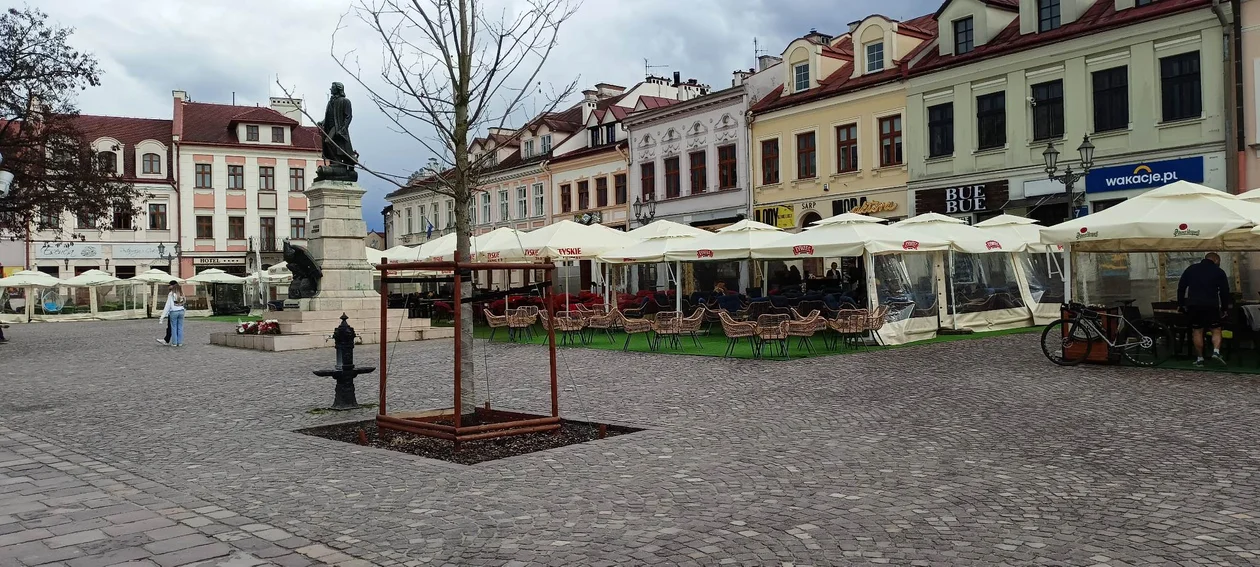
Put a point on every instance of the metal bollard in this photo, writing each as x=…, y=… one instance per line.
x=345, y=371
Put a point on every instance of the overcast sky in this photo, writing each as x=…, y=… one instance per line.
x=214, y=48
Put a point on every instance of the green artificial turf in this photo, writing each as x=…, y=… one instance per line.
x=715, y=344
x=1245, y=362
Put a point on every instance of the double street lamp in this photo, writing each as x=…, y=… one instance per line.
x=644, y=211
x=1069, y=178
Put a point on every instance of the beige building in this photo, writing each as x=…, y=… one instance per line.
x=831, y=139
x=1009, y=77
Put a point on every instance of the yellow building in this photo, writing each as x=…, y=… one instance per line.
x=830, y=139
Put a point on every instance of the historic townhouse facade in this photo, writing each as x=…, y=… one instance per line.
x=830, y=140
x=1009, y=77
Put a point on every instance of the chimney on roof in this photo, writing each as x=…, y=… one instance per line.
x=179, y=95
x=740, y=76
x=817, y=37
x=290, y=107
x=590, y=95
x=606, y=90
x=767, y=61
x=677, y=78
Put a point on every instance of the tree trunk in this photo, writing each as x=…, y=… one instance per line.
x=464, y=184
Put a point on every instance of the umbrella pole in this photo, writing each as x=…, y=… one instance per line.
x=765, y=278
x=678, y=287
x=953, y=297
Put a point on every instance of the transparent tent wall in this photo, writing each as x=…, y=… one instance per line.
x=905, y=283
x=983, y=282
x=1150, y=277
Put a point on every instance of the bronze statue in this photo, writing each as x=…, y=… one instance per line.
x=334, y=130
x=306, y=274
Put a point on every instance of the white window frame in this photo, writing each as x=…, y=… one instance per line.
x=796, y=77
x=522, y=202
x=528, y=150
x=540, y=201
x=546, y=143
x=505, y=206
x=485, y=207
x=870, y=60
x=410, y=222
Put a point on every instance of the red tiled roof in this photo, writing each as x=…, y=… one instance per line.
x=129, y=132
x=1099, y=17
x=842, y=80
x=584, y=152
x=653, y=102
x=205, y=123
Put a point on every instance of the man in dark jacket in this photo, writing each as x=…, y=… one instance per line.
x=1203, y=295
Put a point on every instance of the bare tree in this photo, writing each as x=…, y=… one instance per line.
x=449, y=71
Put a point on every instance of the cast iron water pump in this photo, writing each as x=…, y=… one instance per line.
x=345, y=372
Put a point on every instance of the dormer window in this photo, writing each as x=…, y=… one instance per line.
x=1048, y=15
x=277, y=134
x=964, y=35
x=874, y=57
x=107, y=162
x=251, y=133
x=151, y=164
x=528, y=150
x=800, y=77
x=546, y=143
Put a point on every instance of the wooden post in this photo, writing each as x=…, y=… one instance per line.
x=456, y=309
x=383, y=339
x=551, y=342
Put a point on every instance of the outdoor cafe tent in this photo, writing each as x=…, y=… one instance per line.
x=1179, y=221
x=734, y=242
x=109, y=297
x=667, y=228
x=215, y=276
x=562, y=241
x=898, y=274
x=655, y=250
x=29, y=280
x=1040, y=265
x=983, y=290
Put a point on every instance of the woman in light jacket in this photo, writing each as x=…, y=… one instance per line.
x=175, y=310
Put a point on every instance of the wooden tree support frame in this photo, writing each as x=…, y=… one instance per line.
x=447, y=423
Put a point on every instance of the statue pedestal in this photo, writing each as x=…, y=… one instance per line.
x=337, y=231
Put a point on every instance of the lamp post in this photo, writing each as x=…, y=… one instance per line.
x=163, y=255
x=1069, y=177
x=644, y=211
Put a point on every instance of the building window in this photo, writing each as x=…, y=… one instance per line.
x=267, y=178
x=566, y=200
x=504, y=207
x=277, y=135
x=251, y=133
x=107, y=162
x=236, y=177
x=941, y=130
x=964, y=35
x=601, y=191
x=584, y=195
x=522, y=202
x=1048, y=112
x=1048, y=15
x=528, y=150
x=769, y=162
x=421, y=212
x=151, y=164
x=450, y=214
x=846, y=148
x=874, y=57
x=485, y=208
x=157, y=216
x=297, y=179
x=1111, y=99
x=991, y=120
x=84, y=220
x=124, y=272
x=539, y=202
x=236, y=228
x=800, y=74
x=699, y=177
x=890, y=141
x=1179, y=86
x=203, y=178
x=806, y=156
x=619, y=186
x=546, y=143
x=205, y=227
x=122, y=218
x=673, y=178
x=297, y=229
x=51, y=220
x=647, y=173
x=610, y=133
x=728, y=167
x=411, y=226
x=472, y=211
x=595, y=133
x=267, y=234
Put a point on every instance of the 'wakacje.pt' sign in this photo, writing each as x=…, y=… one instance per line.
x=1144, y=175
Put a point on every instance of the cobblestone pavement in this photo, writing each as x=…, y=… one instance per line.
x=115, y=449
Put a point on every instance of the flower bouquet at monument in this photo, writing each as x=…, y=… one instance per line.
x=268, y=327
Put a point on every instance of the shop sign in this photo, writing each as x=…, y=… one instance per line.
x=861, y=206
x=67, y=251
x=136, y=251
x=781, y=216
x=963, y=199
x=218, y=261
x=1044, y=187
x=1144, y=175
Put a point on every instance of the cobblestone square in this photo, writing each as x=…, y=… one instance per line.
x=117, y=451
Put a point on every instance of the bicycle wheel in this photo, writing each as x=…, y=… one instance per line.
x=1147, y=343
x=1066, y=343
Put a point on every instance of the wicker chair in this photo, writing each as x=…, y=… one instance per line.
x=690, y=326
x=634, y=327
x=736, y=330
x=847, y=326
x=758, y=308
x=521, y=323
x=564, y=326
x=804, y=329
x=496, y=322
x=668, y=324
x=607, y=323
x=772, y=329
x=647, y=306
x=875, y=321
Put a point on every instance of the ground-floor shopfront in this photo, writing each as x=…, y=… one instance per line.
x=123, y=259
x=891, y=203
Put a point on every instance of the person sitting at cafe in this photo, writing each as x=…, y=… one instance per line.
x=1203, y=295
x=719, y=287
x=834, y=272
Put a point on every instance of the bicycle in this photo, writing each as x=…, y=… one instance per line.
x=1068, y=342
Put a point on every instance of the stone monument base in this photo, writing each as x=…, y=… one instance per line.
x=312, y=324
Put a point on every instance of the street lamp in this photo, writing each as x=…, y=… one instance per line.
x=1069, y=177
x=162, y=255
x=644, y=211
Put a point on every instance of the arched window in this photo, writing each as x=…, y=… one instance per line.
x=810, y=219
x=152, y=163
x=107, y=162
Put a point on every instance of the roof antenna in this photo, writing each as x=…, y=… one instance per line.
x=233, y=98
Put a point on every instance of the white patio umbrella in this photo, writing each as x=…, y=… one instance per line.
x=155, y=276
x=373, y=255
x=564, y=240
x=31, y=278
x=857, y=237
x=441, y=249
x=655, y=250
x=216, y=276
x=91, y=278
x=495, y=239
x=1016, y=228
x=963, y=237
x=667, y=228
x=734, y=242
x=1177, y=216
x=399, y=253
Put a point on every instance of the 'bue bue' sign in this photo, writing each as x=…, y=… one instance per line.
x=961, y=199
